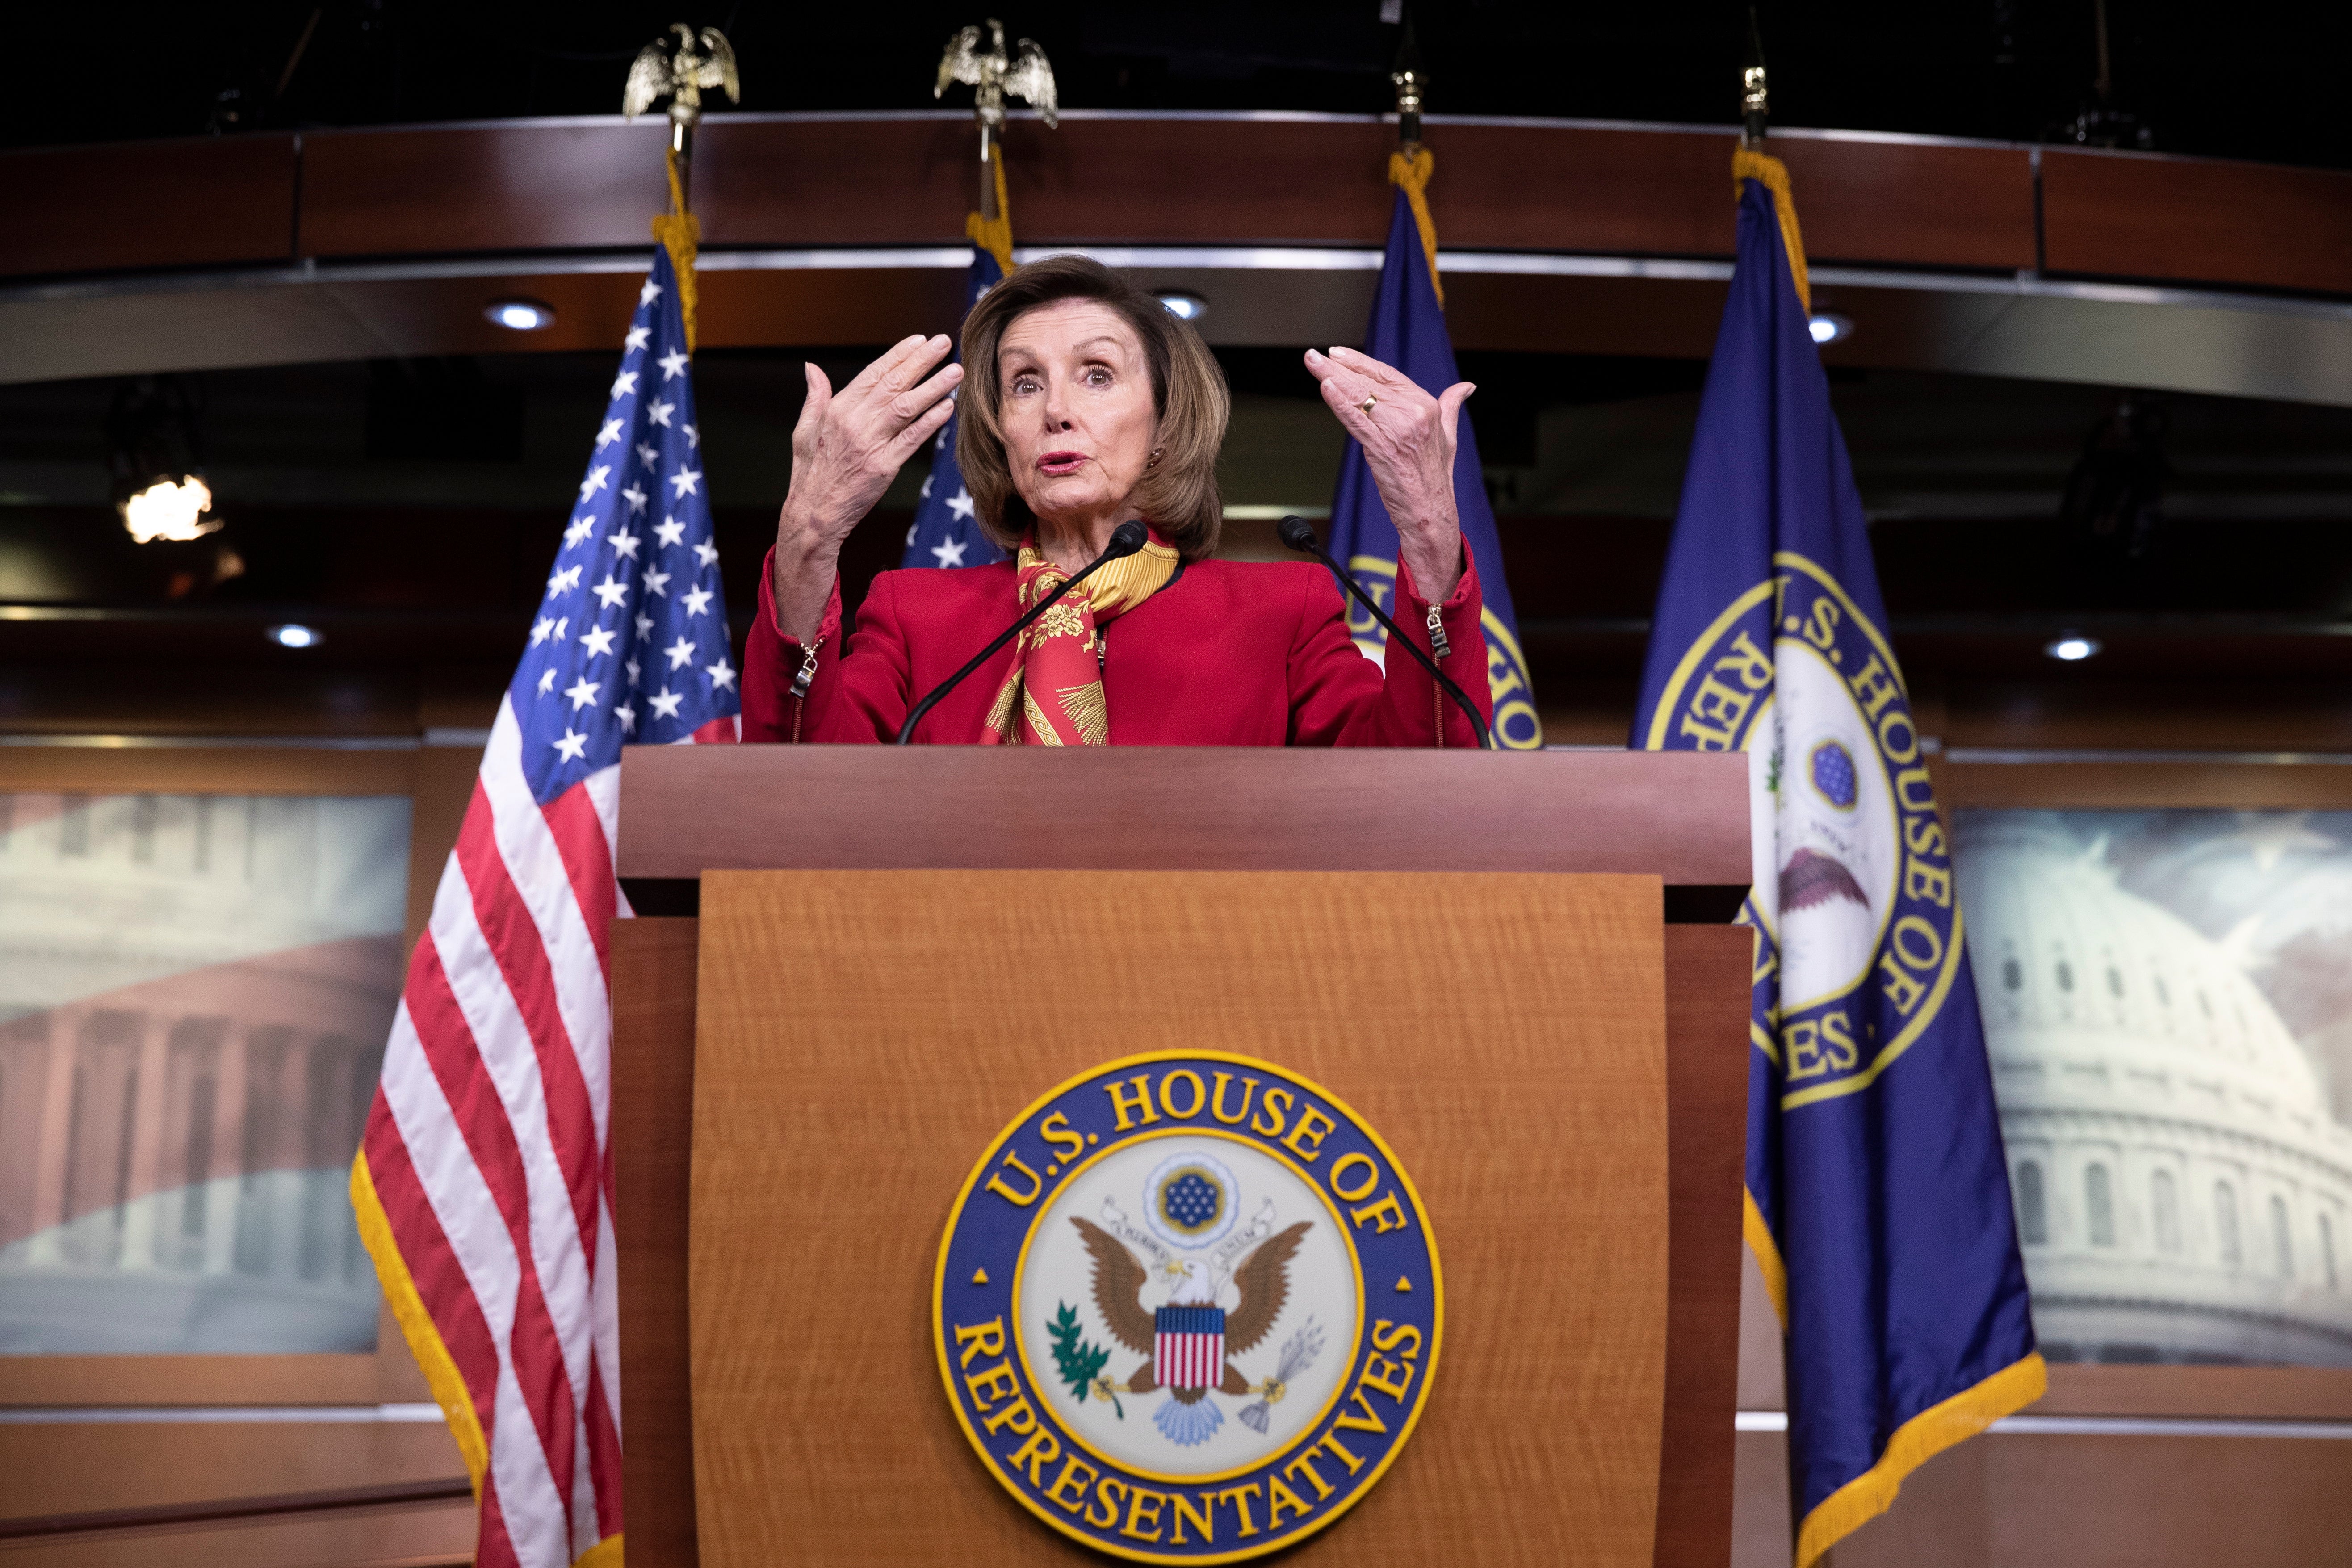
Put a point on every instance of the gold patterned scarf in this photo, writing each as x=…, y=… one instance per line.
x=1054, y=694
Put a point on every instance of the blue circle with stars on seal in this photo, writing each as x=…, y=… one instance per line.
x=1833, y=774
x=1189, y=1200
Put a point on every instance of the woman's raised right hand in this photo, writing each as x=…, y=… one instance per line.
x=847, y=448
x=849, y=445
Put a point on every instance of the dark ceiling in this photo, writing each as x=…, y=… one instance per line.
x=2259, y=80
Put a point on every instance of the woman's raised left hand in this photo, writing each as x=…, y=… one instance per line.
x=1408, y=437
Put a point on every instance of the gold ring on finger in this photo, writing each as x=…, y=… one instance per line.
x=1367, y=404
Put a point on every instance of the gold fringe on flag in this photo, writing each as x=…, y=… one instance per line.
x=1411, y=175
x=433, y=1358
x=1774, y=174
x=1917, y=1441
x=680, y=231
x=1768, y=1254
x=994, y=237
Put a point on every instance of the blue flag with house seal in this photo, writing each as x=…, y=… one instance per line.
x=1408, y=331
x=1878, y=1200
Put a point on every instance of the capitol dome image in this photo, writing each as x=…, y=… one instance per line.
x=2183, y=1193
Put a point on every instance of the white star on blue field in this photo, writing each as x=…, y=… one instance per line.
x=631, y=640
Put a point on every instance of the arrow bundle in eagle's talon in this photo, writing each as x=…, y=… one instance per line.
x=1298, y=1352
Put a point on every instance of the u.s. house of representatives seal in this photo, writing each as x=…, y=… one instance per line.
x=1188, y=1308
x=1860, y=938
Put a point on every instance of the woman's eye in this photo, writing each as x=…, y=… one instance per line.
x=1023, y=385
x=1097, y=377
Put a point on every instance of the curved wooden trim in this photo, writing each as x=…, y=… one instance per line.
x=2245, y=223
x=525, y=186
x=201, y=202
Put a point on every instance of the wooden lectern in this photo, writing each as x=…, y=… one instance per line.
x=1515, y=965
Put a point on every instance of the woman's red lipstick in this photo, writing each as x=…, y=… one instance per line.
x=1059, y=463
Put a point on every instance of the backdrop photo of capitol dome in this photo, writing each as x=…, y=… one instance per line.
x=195, y=995
x=2167, y=1003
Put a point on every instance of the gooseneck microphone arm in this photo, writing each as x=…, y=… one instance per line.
x=1298, y=534
x=1124, y=541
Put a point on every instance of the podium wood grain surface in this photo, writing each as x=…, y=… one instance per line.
x=862, y=1036
x=653, y=964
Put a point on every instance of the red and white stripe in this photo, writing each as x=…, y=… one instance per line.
x=1188, y=1360
x=488, y=1148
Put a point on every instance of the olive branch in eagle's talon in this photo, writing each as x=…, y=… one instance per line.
x=1080, y=1362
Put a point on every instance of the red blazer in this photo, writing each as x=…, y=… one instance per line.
x=1226, y=653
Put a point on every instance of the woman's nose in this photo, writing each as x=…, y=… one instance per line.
x=1057, y=415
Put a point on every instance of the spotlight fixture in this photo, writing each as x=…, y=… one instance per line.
x=2072, y=648
x=521, y=315
x=294, y=634
x=157, y=462
x=1829, y=328
x=175, y=510
x=1182, y=304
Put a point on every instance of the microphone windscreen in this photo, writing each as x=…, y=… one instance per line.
x=1127, y=538
x=1297, y=533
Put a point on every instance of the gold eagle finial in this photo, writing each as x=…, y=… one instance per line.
x=680, y=73
x=992, y=74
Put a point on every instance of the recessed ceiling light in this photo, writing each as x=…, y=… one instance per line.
x=522, y=315
x=1182, y=304
x=294, y=634
x=1829, y=328
x=2073, y=647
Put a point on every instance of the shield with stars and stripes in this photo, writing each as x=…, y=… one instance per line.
x=1188, y=1346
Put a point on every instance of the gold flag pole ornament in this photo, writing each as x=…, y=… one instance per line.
x=681, y=73
x=1410, y=165
x=1751, y=162
x=992, y=75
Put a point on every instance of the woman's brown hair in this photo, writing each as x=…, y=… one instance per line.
x=1178, y=493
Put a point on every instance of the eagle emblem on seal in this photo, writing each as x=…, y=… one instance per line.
x=1188, y=1290
x=1187, y=1341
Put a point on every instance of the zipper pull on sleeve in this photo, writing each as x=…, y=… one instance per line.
x=808, y=669
x=1437, y=640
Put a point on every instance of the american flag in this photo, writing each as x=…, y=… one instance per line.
x=1188, y=1346
x=484, y=1182
x=945, y=533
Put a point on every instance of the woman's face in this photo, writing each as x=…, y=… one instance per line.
x=1074, y=397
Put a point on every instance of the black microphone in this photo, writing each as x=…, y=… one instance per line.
x=1125, y=540
x=1300, y=535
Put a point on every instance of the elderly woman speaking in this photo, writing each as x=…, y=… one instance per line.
x=1089, y=405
